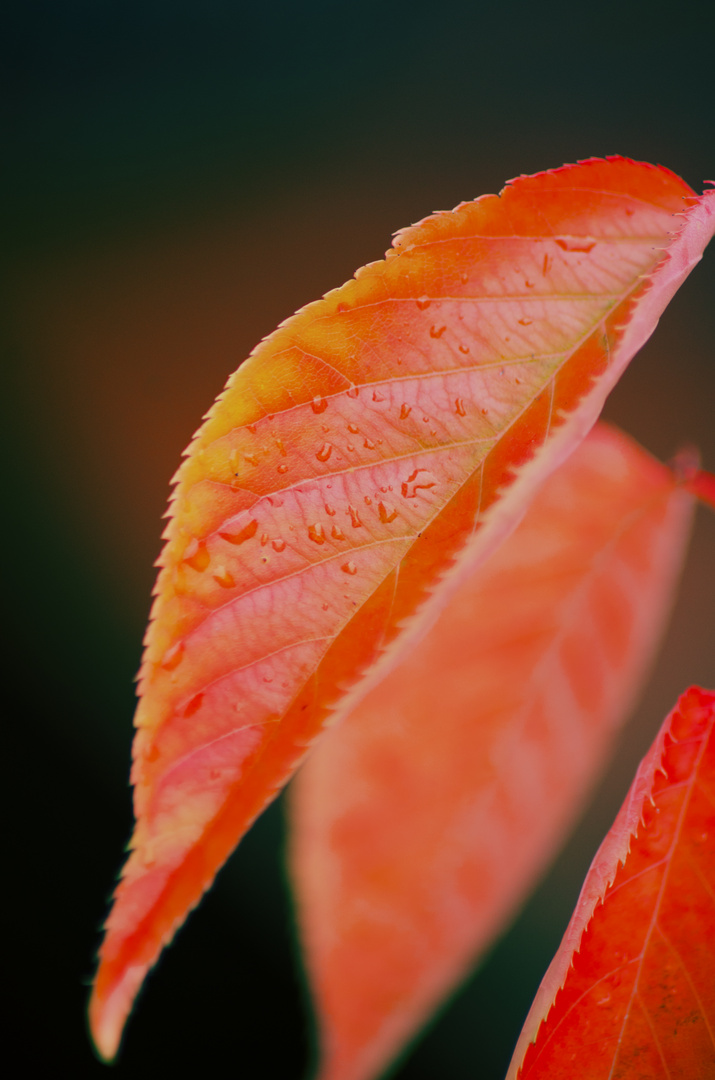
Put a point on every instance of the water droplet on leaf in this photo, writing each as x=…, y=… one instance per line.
x=197, y=556
x=173, y=656
x=194, y=705
x=242, y=535
x=224, y=578
x=420, y=479
x=387, y=514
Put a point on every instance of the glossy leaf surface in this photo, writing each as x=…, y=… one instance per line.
x=631, y=992
x=377, y=441
x=422, y=819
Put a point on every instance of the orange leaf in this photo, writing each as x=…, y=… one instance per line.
x=421, y=821
x=379, y=439
x=631, y=991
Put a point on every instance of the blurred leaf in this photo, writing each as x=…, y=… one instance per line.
x=421, y=821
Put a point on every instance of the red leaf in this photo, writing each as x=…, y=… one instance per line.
x=377, y=439
x=631, y=991
x=421, y=821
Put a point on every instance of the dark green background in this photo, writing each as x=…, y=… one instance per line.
x=177, y=178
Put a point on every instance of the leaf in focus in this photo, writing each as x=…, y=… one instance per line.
x=631, y=991
x=381, y=440
x=421, y=821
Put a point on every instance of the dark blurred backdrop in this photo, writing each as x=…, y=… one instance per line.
x=179, y=176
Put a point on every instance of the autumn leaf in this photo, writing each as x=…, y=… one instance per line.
x=378, y=442
x=421, y=821
x=631, y=991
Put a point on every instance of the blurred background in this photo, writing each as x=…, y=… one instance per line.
x=179, y=177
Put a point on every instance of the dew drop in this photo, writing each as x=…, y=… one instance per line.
x=352, y=392
x=337, y=533
x=252, y=459
x=377, y=396
x=278, y=544
x=152, y=754
x=576, y=246
x=354, y=517
x=264, y=539
x=242, y=535
x=436, y=331
x=459, y=407
x=224, y=578
x=415, y=482
x=353, y=429
x=316, y=533
x=173, y=656
x=525, y=322
x=325, y=451
x=484, y=412
x=529, y=284
x=329, y=510
x=281, y=448
x=464, y=349
x=425, y=419
x=318, y=404
x=251, y=428
x=350, y=447
x=423, y=303
x=283, y=468
x=387, y=513
x=369, y=444
x=368, y=500
x=197, y=556
x=349, y=568
x=268, y=678
x=325, y=607
x=405, y=411
x=194, y=705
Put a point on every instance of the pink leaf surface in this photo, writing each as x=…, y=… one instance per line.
x=379, y=443
x=631, y=991
x=419, y=823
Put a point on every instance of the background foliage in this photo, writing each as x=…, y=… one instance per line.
x=179, y=177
